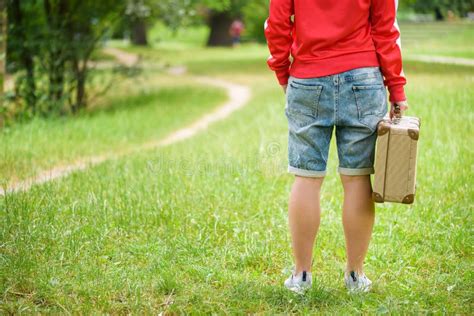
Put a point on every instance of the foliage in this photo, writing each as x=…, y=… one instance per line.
x=217, y=14
x=49, y=49
x=177, y=13
x=136, y=17
x=140, y=14
x=137, y=9
x=3, y=35
x=232, y=6
x=255, y=14
x=441, y=7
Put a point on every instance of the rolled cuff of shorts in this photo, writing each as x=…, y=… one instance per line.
x=354, y=171
x=306, y=173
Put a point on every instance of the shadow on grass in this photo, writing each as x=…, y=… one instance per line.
x=117, y=104
x=252, y=295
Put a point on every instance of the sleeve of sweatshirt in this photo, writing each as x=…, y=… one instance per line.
x=278, y=32
x=386, y=37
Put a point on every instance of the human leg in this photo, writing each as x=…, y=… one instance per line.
x=304, y=218
x=358, y=219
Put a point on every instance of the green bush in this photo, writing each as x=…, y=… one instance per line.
x=255, y=14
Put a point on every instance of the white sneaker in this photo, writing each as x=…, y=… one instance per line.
x=299, y=283
x=357, y=283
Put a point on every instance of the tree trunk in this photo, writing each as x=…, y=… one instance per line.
x=3, y=43
x=26, y=57
x=220, y=23
x=56, y=78
x=139, y=33
x=80, y=75
x=438, y=14
x=57, y=52
x=3, y=53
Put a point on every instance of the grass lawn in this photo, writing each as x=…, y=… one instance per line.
x=452, y=39
x=201, y=226
x=122, y=122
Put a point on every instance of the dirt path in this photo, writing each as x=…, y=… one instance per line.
x=125, y=58
x=238, y=96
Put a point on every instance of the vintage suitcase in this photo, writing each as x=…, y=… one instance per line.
x=395, y=160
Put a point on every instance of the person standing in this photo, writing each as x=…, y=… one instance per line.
x=235, y=31
x=345, y=54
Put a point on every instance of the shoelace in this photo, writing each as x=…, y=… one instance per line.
x=360, y=279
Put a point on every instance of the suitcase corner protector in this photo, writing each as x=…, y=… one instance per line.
x=377, y=197
x=414, y=134
x=409, y=199
x=382, y=128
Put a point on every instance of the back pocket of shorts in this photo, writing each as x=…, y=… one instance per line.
x=371, y=103
x=303, y=98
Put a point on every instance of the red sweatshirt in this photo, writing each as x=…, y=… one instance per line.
x=327, y=37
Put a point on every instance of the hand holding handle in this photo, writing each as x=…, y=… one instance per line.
x=396, y=111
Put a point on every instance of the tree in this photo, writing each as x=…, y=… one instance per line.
x=21, y=49
x=440, y=7
x=3, y=38
x=50, y=49
x=255, y=13
x=3, y=55
x=137, y=12
x=220, y=14
x=217, y=14
x=73, y=29
x=176, y=13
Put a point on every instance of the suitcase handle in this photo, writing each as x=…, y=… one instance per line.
x=397, y=114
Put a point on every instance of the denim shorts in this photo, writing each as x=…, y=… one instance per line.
x=352, y=102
